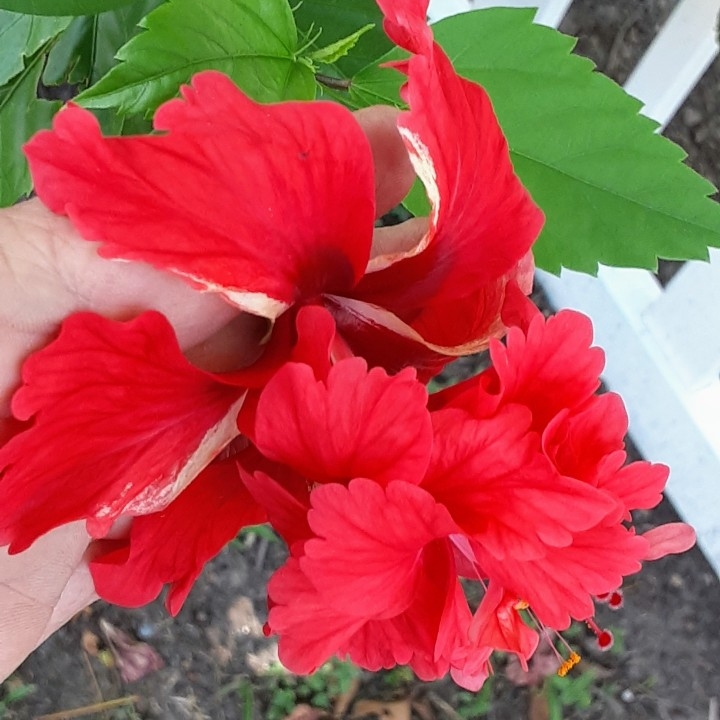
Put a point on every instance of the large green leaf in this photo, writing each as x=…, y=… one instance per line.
x=613, y=191
x=21, y=36
x=86, y=50
x=21, y=115
x=253, y=41
x=62, y=7
x=337, y=19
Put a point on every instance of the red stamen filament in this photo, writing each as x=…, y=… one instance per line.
x=604, y=637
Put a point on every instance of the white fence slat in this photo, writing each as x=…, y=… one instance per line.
x=440, y=9
x=676, y=59
x=685, y=323
x=550, y=12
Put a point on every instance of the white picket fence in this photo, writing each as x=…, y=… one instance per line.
x=662, y=345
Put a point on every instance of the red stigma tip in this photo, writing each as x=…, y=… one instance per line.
x=615, y=601
x=605, y=640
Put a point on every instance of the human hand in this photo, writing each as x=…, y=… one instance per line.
x=47, y=273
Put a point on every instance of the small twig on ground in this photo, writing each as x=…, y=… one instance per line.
x=90, y=709
x=439, y=704
x=91, y=672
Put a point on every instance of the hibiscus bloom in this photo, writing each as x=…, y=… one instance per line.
x=549, y=370
x=271, y=207
x=382, y=524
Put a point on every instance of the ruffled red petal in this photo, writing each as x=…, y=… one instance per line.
x=171, y=547
x=121, y=422
x=551, y=367
x=309, y=631
x=355, y=424
x=563, y=583
x=504, y=493
x=588, y=443
x=238, y=198
x=369, y=540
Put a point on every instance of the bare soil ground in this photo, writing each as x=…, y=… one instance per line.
x=667, y=668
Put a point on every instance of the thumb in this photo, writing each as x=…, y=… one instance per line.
x=40, y=590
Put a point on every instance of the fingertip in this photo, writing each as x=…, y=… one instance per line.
x=394, y=174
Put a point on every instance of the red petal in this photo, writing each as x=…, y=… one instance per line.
x=669, y=539
x=427, y=634
x=386, y=341
x=287, y=511
x=356, y=424
x=121, y=422
x=316, y=339
x=172, y=546
x=588, y=443
x=550, y=368
x=370, y=541
x=562, y=584
x=406, y=23
x=310, y=632
x=498, y=624
x=638, y=486
x=483, y=221
x=501, y=491
x=238, y=198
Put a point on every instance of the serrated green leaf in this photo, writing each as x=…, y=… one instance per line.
x=335, y=51
x=613, y=191
x=113, y=124
x=21, y=115
x=21, y=36
x=86, y=50
x=62, y=7
x=252, y=41
x=338, y=19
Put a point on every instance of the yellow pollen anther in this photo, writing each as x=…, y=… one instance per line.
x=568, y=665
x=521, y=605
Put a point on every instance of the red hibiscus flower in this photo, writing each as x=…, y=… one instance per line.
x=272, y=207
x=549, y=371
x=379, y=539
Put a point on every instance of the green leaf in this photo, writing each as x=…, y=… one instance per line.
x=253, y=41
x=21, y=115
x=614, y=192
x=86, y=50
x=374, y=84
x=335, y=51
x=21, y=36
x=338, y=19
x=62, y=7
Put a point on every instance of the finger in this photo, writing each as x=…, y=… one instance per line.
x=394, y=175
x=398, y=239
x=40, y=589
x=236, y=345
